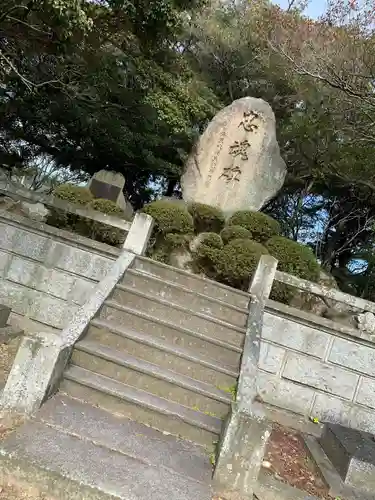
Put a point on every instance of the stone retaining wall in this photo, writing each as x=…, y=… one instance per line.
x=46, y=273
x=317, y=368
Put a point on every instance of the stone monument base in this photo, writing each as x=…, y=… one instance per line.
x=352, y=453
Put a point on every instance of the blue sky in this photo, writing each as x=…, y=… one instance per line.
x=315, y=8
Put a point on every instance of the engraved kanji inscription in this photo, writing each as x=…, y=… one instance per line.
x=232, y=173
x=248, y=121
x=240, y=149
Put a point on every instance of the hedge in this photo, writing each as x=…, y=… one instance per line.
x=206, y=253
x=169, y=217
x=237, y=261
x=235, y=233
x=261, y=226
x=206, y=218
x=106, y=207
x=73, y=194
x=294, y=258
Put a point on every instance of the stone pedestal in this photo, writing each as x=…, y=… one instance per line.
x=352, y=453
x=241, y=455
x=110, y=185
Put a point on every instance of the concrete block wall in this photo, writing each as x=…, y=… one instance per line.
x=46, y=273
x=314, y=370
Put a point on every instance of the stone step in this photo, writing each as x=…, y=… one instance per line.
x=221, y=351
x=148, y=347
x=65, y=467
x=127, y=437
x=141, y=406
x=193, y=282
x=180, y=295
x=151, y=378
x=179, y=315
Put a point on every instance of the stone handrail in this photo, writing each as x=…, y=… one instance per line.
x=52, y=202
x=41, y=360
x=323, y=291
x=247, y=430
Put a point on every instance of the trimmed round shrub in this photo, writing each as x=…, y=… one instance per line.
x=261, y=226
x=294, y=258
x=110, y=235
x=169, y=217
x=206, y=253
x=211, y=240
x=106, y=207
x=206, y=218
x=237, y=261
x=73, y=194
x=177, y=240
x=235, y=233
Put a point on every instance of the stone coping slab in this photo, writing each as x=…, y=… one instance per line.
x=58, y=234
x=337, y=487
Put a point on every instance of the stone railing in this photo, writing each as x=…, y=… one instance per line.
x=294, y=361
x=316, y=367
x=47, y=273
x=52, y=203
x=41, y=360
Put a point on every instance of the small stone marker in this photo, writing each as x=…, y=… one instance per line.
x=108, y=185
x=352, y=453
x=236, y=164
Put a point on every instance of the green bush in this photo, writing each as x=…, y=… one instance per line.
x=169, y=217
x=294, y=258
x=261, y=226
x=237, y=261
x=206, y=253
x=177, y=240
x=206, y=218
x=235, y=233
x=212, y=240
x=73, y=194
x=111, y=235
x=106, y=207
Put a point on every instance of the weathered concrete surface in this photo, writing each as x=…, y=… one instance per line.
x=46, y=274
x=245, y=436
x=236, y=164
x=352, y=452
x=84, y=453
x=241, y=454
x=31, y=373
x=40, y=361
x=126, y=437
x=4, y=315
x=337, y=487
x=139, y=234
x=315, y=367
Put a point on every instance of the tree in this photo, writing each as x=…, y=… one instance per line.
x=113, y=100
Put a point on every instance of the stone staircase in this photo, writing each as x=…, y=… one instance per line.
x=163, y=351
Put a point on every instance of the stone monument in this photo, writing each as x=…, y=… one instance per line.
x=236, y=164
x=109, y=185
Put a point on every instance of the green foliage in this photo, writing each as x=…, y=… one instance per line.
x=261, y=226
x=206, y=253
x=73, y=194
x=206, y=218
x=212, y=240
x=237, y=261
x=106, y=207
x=170, y=217
x=230, y=233
x=177, y=240
x=294, y=258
